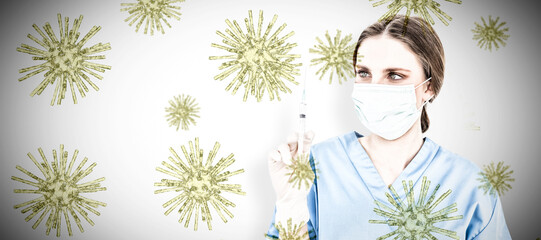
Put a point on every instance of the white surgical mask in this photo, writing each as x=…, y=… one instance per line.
x=388, y=111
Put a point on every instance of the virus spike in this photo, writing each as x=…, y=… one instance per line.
x=25, y=181
x=83, y=213
x=409, y=192
x=36, y=200
x=37, y=165
x=396, y=200
x=77, y=220
x=177, y=200
x=28, y=173
x=38, y=221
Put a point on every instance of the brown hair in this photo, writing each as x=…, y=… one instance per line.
x=425, y=44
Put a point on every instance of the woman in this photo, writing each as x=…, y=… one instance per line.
x=394, y=182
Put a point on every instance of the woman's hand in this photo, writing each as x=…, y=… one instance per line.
x=290, y=200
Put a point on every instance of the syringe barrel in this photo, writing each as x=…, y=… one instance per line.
x=302, y=121
x=302, y=110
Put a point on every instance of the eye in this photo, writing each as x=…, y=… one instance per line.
x=395, y=76
x=362, y=73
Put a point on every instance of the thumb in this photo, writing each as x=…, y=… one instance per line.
x=274, y=161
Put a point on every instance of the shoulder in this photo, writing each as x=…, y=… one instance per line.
x=453, y=162
x=469, y=188
x=463, y=176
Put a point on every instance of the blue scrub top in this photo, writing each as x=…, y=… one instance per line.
x=437, y=196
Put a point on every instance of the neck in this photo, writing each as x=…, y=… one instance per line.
x=395, y=154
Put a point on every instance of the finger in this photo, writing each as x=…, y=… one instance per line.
x=285, y=153
x=309, y=135
x=307, y=141
x=274, y=156
x=292, y=140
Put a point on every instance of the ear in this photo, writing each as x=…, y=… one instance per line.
x=429, y=93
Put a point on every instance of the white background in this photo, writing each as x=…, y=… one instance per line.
x=122, y=126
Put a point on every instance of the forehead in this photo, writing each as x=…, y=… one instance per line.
x=382, y=51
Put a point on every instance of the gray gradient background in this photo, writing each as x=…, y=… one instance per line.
x=122, y=126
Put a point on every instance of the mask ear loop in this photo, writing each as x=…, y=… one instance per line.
x=419, y=109
x=428, y=79
x=425, y=102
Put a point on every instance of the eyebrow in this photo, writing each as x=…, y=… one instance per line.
x=392, y=69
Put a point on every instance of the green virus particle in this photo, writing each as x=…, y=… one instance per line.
x=491, y=34
x=416, y=220
x=262, y=61
x=182, y=111
x=66, y=60
x=419, y=7
x=199, y=184
x=336, y=56
x=152, y=13
x=496, y=178
x=293, y=232
x=61, y=194
x=300, y=171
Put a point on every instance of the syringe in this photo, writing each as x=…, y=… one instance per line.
x=302, y=123
x=302, y=116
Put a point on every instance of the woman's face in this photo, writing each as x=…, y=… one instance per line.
x=389, y=61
